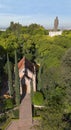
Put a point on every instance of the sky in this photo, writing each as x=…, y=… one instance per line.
x=42, y=12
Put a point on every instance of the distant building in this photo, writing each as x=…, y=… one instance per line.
x=2, y=29
x=55, y=33
x=27, y=74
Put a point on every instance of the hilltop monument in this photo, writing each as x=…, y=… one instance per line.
x=55, y=31
x=56, y=23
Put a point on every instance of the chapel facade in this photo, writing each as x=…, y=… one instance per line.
x=27, y=75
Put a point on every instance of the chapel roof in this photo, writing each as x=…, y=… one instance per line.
x=25, y=63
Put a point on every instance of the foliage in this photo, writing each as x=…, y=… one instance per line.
x=16, y=114
x=8, y=117
x=53, y=54
x=67, y=119
x=14, y=27
x=5, y=124
x=48, y=78
x=3, y=118
x=29, y=50
x=10, y=84
x=38, y=98
x=36, y=29
x=17, y=83
x=8, y=104
x=6, y=67
x=37, y=112
x=31, y=83
x=2, y=61
x=53, y=111
x=66, y=73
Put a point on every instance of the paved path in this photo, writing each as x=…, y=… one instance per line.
x=26, y=109
x=25, y=116
x=13, y=125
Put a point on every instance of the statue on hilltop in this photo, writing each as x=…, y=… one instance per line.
x=56, y=22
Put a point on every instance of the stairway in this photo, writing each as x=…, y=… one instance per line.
x=13, y=125
x=25, y=116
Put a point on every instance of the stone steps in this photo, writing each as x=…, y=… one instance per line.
x=25, y=116
x=26, y=109
x=13, y=126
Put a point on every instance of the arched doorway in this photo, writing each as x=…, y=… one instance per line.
x=23, y=87
x=24, y=90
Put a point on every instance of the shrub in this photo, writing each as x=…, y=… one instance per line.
x=38, y=98
x=16, y=114
x=37, y=112
x=8, y=104
x=3, y=118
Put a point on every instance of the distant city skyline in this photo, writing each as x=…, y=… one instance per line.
x=42, y=12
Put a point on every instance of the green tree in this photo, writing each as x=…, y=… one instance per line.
x=2, y=61
x=52, y=113
x=31, y=83
x=14, y=27
x=66, y=75
x=17, y=83
x=34, y=29
x=10, y=84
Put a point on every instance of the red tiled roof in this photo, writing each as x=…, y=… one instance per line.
x=20, y=63
x=26, y=63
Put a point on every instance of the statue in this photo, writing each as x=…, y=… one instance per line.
x=56, y=22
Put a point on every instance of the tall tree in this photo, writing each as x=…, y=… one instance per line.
x=66, y=73
x=31, y=83
x=17, y=83
x=10, y=84
x=52, y=113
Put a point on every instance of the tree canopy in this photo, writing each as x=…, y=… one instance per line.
x=53, y=56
